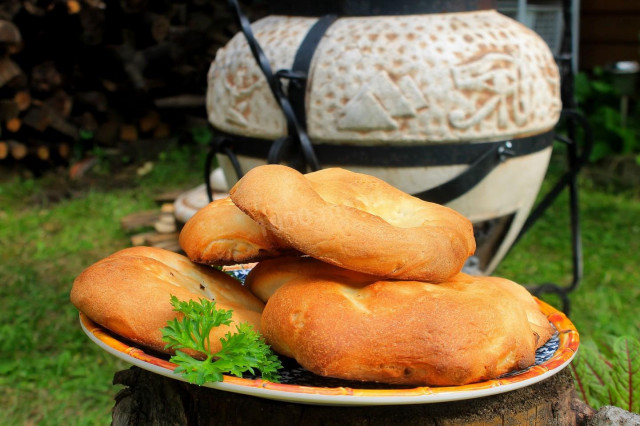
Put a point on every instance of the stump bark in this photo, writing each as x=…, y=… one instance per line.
x=156, y=400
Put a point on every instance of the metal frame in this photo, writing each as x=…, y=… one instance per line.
x=579, y=145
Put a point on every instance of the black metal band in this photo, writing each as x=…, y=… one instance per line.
x=397, y=155
x=482, y=158
x=302, y=64
x=466, y=180
x=295, y=128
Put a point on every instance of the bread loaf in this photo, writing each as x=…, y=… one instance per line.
x=357, y=222
x=221, y=234
x=129, y=293
x=354, y=326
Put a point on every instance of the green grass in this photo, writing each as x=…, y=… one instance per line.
x=607, y=299
x=50, y=373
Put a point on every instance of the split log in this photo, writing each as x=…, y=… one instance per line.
x=610, y=415
x=154, y=239
x=9, y=9
x=166, y=223
x=44, y=151
x=38, y=119
x=168, y=197
x=18, y=150
x=159, y=26
x=45, y=77
x=182, y=101
x=10, y=38
x=153, y=399
x=64, y=150
x=140, y=219
x=32, y=8
x=92, y=20
x=43, y=116
x=107, y=132
x=61, y=103
x=149, y=121
x=22, y=99
x=128, y=133
x=94, y=101
x=162, y=131
x=8, y=110
x=8, y=71
x=88, y=122
x=56, y=152
x=73, y=6
x=13, y=125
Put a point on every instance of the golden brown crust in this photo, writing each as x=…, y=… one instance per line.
x=537, y=320
x=348, y=325
x=357, y=222
x=221, y=234
x=269, y=275
x=129, y=293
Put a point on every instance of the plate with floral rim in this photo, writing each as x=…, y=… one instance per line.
x=301, y=386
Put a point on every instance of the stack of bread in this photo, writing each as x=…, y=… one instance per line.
x=355, y=280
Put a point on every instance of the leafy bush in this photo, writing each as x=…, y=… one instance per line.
x=609, y=374
x=600, y=101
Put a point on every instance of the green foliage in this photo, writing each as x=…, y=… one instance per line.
x=610, y=376
x=201, y=135
x=179, y=166
x=241, y=351
x=599, y=100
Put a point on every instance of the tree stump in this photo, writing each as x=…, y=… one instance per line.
x=153, y=399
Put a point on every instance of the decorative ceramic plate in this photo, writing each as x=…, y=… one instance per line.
x=301, y=386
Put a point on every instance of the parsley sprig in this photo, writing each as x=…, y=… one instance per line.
x=243, y=351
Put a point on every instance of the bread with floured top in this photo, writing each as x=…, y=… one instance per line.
x=354, y=326
x=129, y=294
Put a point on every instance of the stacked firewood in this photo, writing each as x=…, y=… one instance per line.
x=83, y=75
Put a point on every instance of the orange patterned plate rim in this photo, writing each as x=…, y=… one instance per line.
x=567, y=348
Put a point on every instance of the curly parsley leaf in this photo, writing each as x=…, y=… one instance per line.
x=243, y=351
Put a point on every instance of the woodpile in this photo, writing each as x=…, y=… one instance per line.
x=78, y=76
x=156, y=227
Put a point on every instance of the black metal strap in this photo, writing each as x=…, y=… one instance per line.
x=219, y=145
x=302, y=63
x=295, y=128
x=482, y=158
x=398, y=155
x=477, y=171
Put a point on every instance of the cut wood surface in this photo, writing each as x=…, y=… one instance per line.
x=153, y=399
x=18, y=150
x=157, y=227
x=140, y=219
